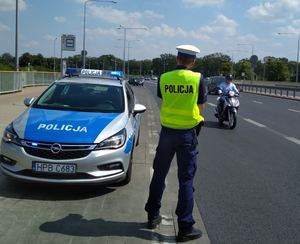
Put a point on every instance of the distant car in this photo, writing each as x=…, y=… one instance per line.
x=82, y=129
x=136, y=81
x=213, y=83
x=133, y=81
x=154, y=78
x=140, y=81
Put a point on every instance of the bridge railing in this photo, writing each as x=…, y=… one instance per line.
x=12, y=81
x=272, y=90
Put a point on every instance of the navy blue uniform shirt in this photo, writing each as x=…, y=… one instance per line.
x=201, y=92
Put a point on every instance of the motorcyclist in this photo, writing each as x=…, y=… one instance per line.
x=224, y=88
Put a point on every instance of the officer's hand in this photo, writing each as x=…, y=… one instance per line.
x=198, y=128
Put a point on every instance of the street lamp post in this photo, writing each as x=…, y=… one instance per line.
x=115, y=62
x=247, y=44
x=252, y=53
x=124, y=48
x=232, y=61
x=297, y=64
x=129, y=41
x=16, y=37
x=54, y=54
x=141, y=68
x=84, y=17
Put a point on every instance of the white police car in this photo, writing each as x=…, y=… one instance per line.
x=81, y=129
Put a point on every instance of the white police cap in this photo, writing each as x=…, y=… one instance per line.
x=188, y=51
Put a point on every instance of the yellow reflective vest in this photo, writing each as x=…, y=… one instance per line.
x=179, y=90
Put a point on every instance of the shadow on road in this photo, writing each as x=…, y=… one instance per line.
x=215, y=125
x=76, y=225
x=49, y=192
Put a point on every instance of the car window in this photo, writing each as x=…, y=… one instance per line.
x=82, y=97
x=130, y=98
x=220, y=80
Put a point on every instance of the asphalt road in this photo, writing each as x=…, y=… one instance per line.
x=247, y=183
x=248, y=179
x=42, y=214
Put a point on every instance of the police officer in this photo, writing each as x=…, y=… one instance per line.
x=183, y=97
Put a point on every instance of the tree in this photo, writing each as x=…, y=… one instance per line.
x=37, y=60
x=243, y=67
x=168, y=62
x=156, y=66
x=216, y=64
x=8, y=59
x=146, y=67
x=259, y=70
x=277, y=70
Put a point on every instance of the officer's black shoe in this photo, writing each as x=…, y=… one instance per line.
x=188, y=236
x=153, y=222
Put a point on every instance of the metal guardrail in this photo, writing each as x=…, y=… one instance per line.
x=13, y=81
x=280, y=91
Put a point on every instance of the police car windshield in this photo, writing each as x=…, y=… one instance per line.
x=82, y=97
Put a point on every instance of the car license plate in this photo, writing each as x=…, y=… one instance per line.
x=54, y=168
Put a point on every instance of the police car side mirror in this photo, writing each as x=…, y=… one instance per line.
x=28, y=101
x=138, y=109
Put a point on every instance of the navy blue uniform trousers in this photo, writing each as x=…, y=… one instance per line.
x=184, y=144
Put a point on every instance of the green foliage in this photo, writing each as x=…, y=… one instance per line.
x=215, y=64
x=7, y=59
x=273, y=69
x=243, y=67
x=277, y=70
x=6, y=67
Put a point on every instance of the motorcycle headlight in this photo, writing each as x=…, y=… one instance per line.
x=114, y=142
x=10, y=136
x=231, y=93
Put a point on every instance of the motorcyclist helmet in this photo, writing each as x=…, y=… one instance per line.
x=228, y=78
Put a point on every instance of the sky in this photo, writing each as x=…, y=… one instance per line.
x=237, y=28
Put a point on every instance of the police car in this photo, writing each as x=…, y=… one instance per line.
x=81, y=129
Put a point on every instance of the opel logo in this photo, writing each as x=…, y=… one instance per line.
x=55, y=148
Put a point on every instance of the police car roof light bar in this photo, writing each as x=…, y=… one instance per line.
x=94, y=73
x=72, y=72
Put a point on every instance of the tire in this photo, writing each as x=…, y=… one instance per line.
x=129, y=170
x=138, y=137
x=232, y=120
x=220, y=121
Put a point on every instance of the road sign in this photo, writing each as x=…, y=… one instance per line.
x=68, y=42
x=85, y=52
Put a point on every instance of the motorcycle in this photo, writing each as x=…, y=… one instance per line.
x=229, y=110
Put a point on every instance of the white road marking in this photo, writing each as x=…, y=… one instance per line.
x=293, y=139
x=257, y=102
x=151, y=123
x=152, y=149
x=294, y=110
x=254, y=122
x=153, y=133
x=211, y=104
x=167, y=220
x=151, y=172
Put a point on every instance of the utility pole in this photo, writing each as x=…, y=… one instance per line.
x=16, y=37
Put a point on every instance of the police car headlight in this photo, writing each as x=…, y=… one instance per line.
x=10, y=136
x=113, y=142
